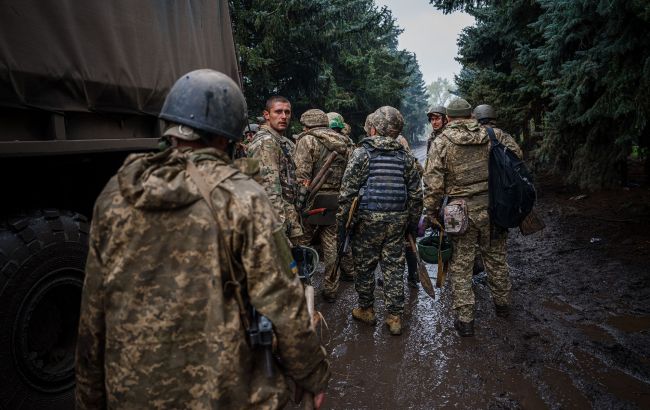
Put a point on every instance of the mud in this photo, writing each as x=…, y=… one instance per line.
x=578, y=335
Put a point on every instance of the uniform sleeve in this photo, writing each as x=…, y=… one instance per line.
x=507, y=140
x=90, y=392
x=304, y=159
x=434, y=178
x=414, y=186
x=356, y=172
x=268, y=154
x=277, y=293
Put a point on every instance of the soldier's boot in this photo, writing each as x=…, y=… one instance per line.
x=365, y=315
x=502, y=310
x=464, y=329
x=328, y=296
x=394, y=324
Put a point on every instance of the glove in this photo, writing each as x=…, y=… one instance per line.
x=423, y=224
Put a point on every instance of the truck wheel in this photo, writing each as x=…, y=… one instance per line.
x=42, y=258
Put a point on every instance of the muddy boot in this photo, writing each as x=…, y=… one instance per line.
x=502, y=310
x=464, y=329
x=394, y=324
x=366, y=315
x=329, y=297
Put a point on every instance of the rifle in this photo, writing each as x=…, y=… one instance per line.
x=260, y=334
x=306, y=192
x=344, y=243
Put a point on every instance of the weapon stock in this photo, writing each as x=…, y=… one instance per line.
x=322, y=171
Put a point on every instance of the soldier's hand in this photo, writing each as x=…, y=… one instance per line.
x=319, y=399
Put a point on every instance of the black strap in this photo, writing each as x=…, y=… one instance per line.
x=492, y=136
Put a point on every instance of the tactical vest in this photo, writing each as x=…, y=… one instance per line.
x=385, y=188
x=468, y=169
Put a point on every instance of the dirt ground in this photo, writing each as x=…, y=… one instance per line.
x=578, y=335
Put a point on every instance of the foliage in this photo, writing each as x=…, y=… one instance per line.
x=578, y=70
x=440, y=91
x=336, y=55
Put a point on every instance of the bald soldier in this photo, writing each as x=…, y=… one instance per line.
x=457, y=167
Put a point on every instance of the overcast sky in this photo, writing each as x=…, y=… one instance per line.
x=430, y=34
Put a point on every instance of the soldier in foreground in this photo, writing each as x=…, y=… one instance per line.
x=316, y=143
x=457, y=167
x=384, y=177
x=277, y=170
x=183, y=247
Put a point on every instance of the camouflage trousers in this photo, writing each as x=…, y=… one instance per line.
x=326, y=235
x=379, y=238
x=493, y=252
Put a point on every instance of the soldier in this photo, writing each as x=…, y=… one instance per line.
x=277, y=169
x=384, y=177
x=182, y=247
x=242, y=146
x=315, y=144
x=438, y=119
x=338, y=124
x=457, y=167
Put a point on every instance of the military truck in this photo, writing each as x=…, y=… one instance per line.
x=81, y=85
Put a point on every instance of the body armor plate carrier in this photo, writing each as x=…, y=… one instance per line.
x=385, y=189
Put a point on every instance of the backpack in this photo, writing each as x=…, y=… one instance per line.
x=510, y=186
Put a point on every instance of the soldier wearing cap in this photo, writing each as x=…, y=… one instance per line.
x=383, y=175
x=182, y=245
x=316, y=143
x=457, y=167
x=277, y=169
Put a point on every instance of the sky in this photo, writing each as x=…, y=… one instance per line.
x=430, y=34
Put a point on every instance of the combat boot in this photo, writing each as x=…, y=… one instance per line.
x=464, y=329
x=394, y=324
x=366, y=315
x=502, y=310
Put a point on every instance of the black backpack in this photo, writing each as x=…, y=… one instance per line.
x=510, y=186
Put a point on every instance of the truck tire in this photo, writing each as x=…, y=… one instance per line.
x=42, y=258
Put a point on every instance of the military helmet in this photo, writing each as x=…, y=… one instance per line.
x=335, y=120
x=206, y=101
x=314, y=118
x=428, y=247
x=484, y=112
x=251, y=127
x=388, y=121
x=437, y=109
x=459, y=108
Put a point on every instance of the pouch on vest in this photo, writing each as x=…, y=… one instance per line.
x=328, y=202
x=455, y=217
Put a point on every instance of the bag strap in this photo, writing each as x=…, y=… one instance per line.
x=492, y=136
x=205, y=191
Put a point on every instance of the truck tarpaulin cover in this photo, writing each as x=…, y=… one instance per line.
x=108, y=55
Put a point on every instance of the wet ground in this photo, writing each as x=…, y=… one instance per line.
x=578, y=335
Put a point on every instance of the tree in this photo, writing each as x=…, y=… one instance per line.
x=439, y=91
x=414, y=100
x=336, y=55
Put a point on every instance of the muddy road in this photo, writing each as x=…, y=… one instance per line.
x=578, y=335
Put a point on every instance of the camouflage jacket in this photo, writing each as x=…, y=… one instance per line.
x=356, y=174
x=457, y=164
x=312, y=149
x=277, y=174
x=160, y=326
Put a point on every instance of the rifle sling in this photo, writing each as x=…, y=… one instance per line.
x=197, y=178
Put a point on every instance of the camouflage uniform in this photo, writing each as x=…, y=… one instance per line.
x=379, y=236
x=160, y=326
x=278, y=175
x=312, y=149
x=457, y=165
